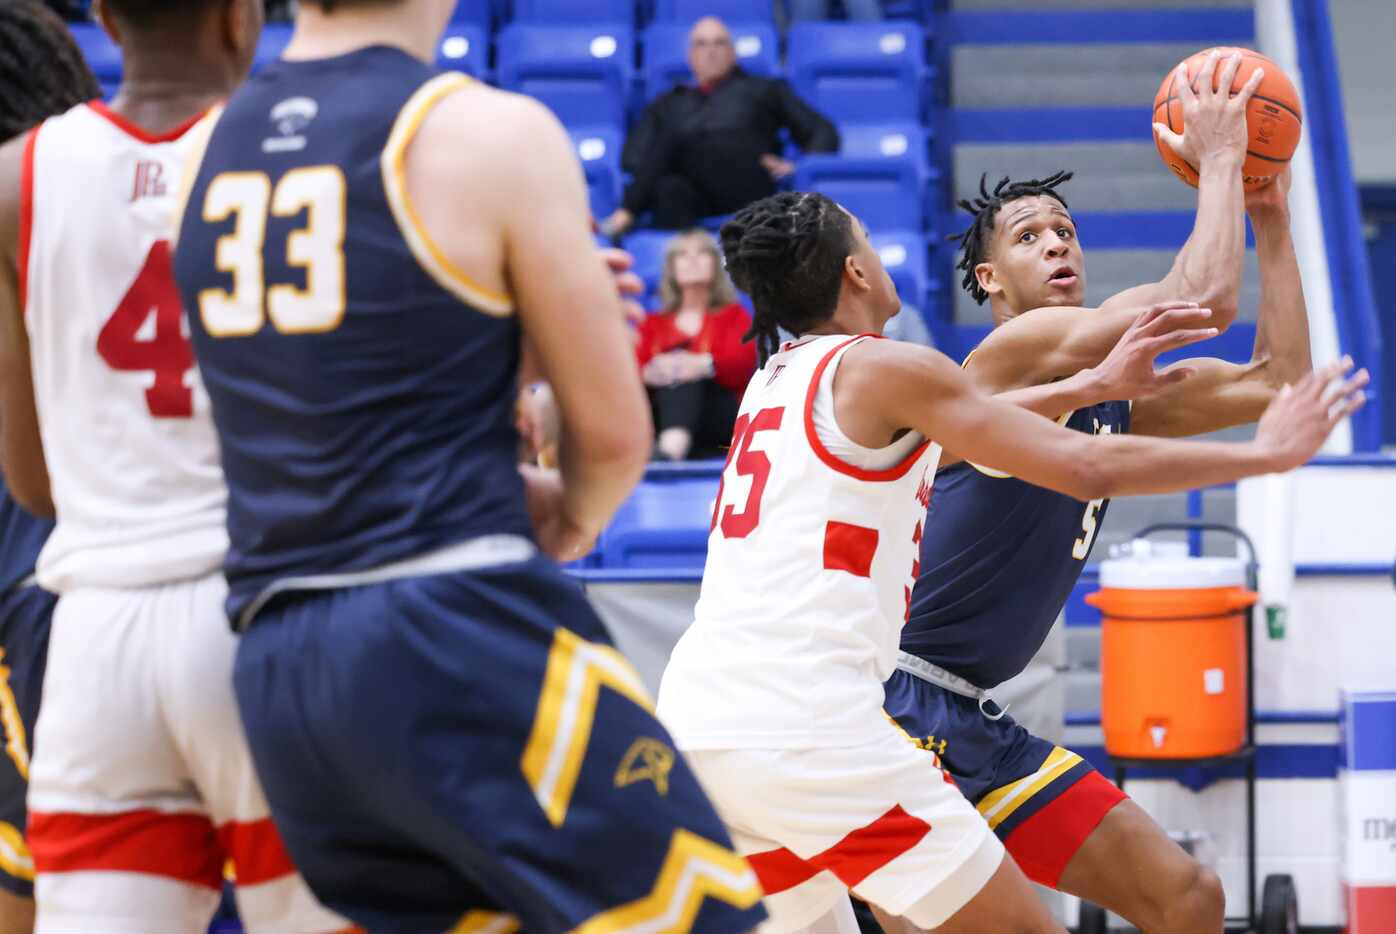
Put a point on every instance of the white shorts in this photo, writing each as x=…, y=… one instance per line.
x=880, y=820
x=141, y=788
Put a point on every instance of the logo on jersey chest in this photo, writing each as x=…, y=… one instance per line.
x=291, y=117
x=149, y=181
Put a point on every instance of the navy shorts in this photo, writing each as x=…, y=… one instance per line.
x=467, y=751
x=25, y=616
x=1041, y=799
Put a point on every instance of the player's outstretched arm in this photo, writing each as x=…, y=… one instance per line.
x=497, y=176
x=1224, y=394
x=1207, y=269
x=883, y=387
x=21, y=449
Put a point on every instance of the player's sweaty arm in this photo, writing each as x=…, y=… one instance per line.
x=1223, y=394
x=21, y=450
x=1208, y=268
x=883, y=387
x=514, y=205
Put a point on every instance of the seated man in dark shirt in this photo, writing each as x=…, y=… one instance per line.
x=713, y=146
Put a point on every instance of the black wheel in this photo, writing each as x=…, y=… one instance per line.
x=1279, y=906
x=1093, y=919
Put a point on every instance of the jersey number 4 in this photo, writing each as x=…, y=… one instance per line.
x=753, y=464
x=127, y=344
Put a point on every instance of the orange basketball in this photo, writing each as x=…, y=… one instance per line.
x=1273, y=119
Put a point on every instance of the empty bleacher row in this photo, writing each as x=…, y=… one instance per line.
x=596, y=67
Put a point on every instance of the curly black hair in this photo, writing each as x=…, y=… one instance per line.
x=41, y=67
x=985, y=208
x=787, y=253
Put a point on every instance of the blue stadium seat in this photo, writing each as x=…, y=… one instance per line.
x=598, y=148
x=886, y=194
x=666, y=53
x=477, y=13
x=272, y=43
x=583, y=73
x=892, y=140
x=859, y=71
x=904, y=254
x=574, y=11
x=735, y=11
x=664, y=524
x=464, y=48
x=647, y=246
x=103, y=55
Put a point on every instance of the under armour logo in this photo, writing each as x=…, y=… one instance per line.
x=647, y=760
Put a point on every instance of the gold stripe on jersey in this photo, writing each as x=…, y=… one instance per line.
x=695, y=870
x=199, y=137
x=436, y=263
x=479, y=921
x=998, y=805
x=557, y=743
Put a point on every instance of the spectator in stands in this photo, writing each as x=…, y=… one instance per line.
x=713, y=146
x=692, y=355
x=865, y=10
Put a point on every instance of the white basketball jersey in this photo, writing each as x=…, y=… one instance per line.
x=128, y=436
x=810, y=565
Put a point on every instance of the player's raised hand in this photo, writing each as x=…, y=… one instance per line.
x=1302, y=416
x=627, y=282
x=1214, y=120
x=1272, y=198
x=1128, y=371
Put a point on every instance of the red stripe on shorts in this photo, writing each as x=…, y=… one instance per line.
x=256, y=850
x=177, y=846
x=1043, y=844
x=852, y=859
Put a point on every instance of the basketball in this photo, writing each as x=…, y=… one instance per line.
x=1273, y=119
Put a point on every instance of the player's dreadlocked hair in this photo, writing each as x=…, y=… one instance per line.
x=41, y=68
x=787, y=253
x=985, y=208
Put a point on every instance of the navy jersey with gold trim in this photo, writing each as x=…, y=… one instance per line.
x=999, y=558
x=362, y=387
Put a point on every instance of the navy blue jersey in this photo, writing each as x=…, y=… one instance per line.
x=362, y=387
x=998, y=560
x=22, y=537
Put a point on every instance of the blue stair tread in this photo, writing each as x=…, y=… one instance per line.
x=1035, y=27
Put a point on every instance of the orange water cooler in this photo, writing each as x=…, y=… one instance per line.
x=1174, y=662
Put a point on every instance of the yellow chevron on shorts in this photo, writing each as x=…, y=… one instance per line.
x=998, y=805
x=479, y=921
x=695, y=869
x=557, y=744
x=16, y=739
x=14, y=853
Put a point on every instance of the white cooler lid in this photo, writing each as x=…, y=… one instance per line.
x=1148, y=565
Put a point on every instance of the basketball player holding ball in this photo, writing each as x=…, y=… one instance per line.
x=999, y=557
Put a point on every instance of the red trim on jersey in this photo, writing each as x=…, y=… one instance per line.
x=895, y=472
x=849, y=548
x=182, y=847
x=256, y=850
x=1043, y=844
x=140, y=132
x=852, y=859
x=26, y=214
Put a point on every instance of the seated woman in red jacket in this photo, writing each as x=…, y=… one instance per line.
x=691, y=353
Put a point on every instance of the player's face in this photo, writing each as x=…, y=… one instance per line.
x=1035, y=259
x=694, y=263
x=866, y=259
x=710, y=52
